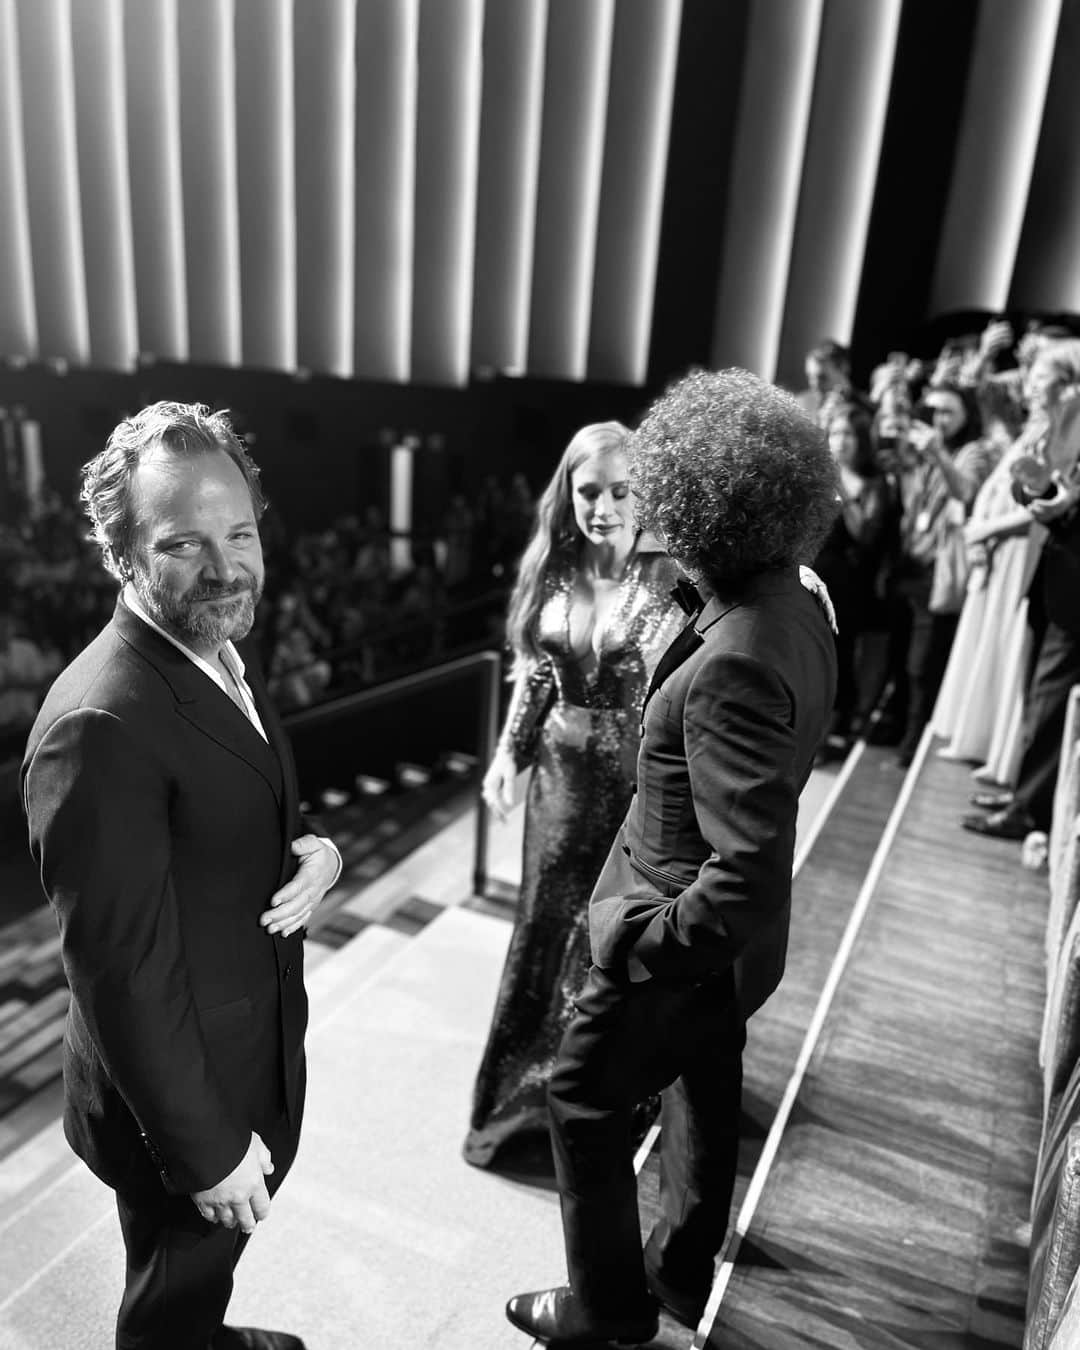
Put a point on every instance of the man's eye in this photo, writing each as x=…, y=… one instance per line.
x=182, y=546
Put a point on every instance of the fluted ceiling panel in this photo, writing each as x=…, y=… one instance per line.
x=415, y=191
x=152, y=60
x=641, y=86
x=578, y=61
x=774, y=112
x=510, y=121
x=325, y=94
x=387, y=33
x=1047, y=275
x=843, y=147
x=18, y=313
x=52, y=177
x=447, y=137
x=104, y=181
x=995, y=155
x=266, y=182
x=209, y=177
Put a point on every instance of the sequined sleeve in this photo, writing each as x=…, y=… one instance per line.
x=529, y=704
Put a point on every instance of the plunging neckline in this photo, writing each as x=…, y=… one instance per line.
x=588, y=661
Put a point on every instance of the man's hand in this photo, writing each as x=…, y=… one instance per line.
x=242, y=1198
x=292, y=906
x=1046, y=509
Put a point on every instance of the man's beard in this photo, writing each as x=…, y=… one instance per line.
x=199, y=625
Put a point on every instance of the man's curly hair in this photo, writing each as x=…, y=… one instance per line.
x=732, y=476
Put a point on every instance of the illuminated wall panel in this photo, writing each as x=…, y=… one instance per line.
x=774, y=112
x=324, y=90
x=208, y=173
x=18, y=317
x=105, y=186
x=577, y=64
x=387, y=34
x=995, y=154
x=157, y=202
x=642, y=83
x=47, y=82
x=855, y=57
x=447, y=137
x=513, y=58
x=266, y=182
x=1046, y=278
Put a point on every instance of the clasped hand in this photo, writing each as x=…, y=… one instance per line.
x=291, y=907
x=1066, y=496
x=241, y=1199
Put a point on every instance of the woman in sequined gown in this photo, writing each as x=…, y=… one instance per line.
x=591, y=615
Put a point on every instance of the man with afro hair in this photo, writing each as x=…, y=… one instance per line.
x=689, y=918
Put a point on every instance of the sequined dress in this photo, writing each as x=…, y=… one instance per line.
x=580, y=732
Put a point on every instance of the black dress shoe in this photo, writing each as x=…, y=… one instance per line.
x=254, y=1338
x=687, y=1307
x=1011, y=823
x=992, y=801
x=556, y=1318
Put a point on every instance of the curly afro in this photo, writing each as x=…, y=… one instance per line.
x=732, y=476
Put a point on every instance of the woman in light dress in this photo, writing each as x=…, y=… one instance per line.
x=979, y=706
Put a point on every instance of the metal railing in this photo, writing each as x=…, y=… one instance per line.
x=339, y=716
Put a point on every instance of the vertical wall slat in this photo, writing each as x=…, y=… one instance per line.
x=774, y=111
x=208, y=174
x=151, y=47
x=18, y=313
x=995, y=154
x=104, y=181
x=266, y=182
x=447, y=137
x=641, y=89
x=1047, y=274
x=52, y=177
x=577, y=66
x=387, y=36
x=324, y=90
x=510, y=120
x=847, y=121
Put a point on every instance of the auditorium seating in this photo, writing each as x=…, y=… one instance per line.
x=1053, y=1307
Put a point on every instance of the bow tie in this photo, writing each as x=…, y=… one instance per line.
x=685, y=594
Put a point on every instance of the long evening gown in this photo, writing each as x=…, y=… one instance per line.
x=580, y=732
x=982, y=691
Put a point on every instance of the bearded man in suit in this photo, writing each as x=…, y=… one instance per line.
x=162, y=804
x=689, y=918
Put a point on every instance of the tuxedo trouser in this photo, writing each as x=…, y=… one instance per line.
x=1057, y=669
x=627, y=1042
x=179, y=1275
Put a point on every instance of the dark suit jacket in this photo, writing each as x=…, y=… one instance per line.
x=1058, y=572
x=699, y=879
x=161, y=822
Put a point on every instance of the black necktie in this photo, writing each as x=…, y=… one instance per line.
x=684, y=643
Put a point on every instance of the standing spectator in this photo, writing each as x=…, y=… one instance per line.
x=851, y=558
x=953, y=463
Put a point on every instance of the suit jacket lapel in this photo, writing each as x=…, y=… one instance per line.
x=200, y=701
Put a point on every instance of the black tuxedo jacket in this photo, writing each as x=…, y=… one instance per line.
x=699, y=878
x=1058, y=572
x=161, y=822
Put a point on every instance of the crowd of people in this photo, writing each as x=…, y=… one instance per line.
x=952, y=562
x=345, y=606
x=676, y=670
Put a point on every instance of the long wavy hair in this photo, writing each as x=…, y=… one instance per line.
x=556, y=542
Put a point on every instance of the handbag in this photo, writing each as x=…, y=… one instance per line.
x=949, y=583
